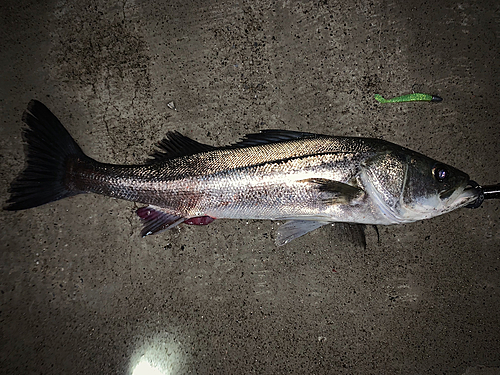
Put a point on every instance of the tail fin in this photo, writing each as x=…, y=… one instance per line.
x=48, y=147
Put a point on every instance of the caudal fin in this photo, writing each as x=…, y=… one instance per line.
x=48, y=147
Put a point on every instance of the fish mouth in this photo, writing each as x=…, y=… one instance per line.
x=480, y=193
x=464, y=195
x=447, y=193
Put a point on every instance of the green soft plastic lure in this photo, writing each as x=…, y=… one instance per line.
x=416, y=97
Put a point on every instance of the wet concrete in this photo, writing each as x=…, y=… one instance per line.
x=82, y=293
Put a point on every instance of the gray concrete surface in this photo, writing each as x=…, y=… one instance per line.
x=82, y=293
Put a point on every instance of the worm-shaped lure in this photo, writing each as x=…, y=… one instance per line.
x=416, y=97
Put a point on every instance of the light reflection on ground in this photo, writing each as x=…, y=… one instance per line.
x=145, y=368
x=158, y=354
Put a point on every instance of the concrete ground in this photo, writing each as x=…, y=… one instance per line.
x=82, y=293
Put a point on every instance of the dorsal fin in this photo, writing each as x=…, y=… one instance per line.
x=271, y=136
x=175, y=145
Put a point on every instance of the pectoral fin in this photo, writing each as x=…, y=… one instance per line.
x=296, y=228
x=334, y=192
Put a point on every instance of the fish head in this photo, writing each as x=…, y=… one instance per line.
x=407, y=186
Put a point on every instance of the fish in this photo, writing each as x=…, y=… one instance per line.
x=307, y=180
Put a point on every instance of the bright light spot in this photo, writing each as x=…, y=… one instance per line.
x=160, y=353
x=145, y=368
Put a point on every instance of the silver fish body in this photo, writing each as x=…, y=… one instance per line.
x=306, y=178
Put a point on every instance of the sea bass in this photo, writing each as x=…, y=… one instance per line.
x=307, y=179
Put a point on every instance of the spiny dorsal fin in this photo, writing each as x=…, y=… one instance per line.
x=175, y=145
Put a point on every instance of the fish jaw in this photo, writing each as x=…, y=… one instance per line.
x=431, y=206
x=461, y=197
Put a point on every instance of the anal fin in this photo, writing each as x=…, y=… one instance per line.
x=199, y=220
x=156, y=220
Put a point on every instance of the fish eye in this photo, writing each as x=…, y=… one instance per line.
x=440, y=173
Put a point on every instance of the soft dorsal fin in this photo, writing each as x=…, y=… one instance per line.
x=175, y=145
x=271, y=136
